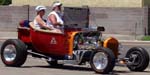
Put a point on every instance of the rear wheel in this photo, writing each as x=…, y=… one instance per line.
x=13, y=53
x=103, y=61
x=138, y=59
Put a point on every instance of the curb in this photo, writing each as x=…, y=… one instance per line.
x=134, y=41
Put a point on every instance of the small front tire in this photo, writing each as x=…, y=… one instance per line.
x=138, y=59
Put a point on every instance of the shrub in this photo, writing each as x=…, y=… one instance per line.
x=146, y=38
x=5, y=2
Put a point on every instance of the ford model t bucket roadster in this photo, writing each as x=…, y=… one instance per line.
x=78, y=44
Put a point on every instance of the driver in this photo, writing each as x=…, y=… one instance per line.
x=55, y=17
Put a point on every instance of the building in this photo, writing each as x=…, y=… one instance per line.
x=91, y=3
x=133, y=20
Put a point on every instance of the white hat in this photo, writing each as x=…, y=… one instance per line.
x=55, y=4
x=39, y=8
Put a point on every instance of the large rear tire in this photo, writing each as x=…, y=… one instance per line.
x=103, y=61
x=13, y=53
x=138, y=59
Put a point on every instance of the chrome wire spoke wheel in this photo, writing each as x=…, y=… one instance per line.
x=100, y=60
x=134, y=58
x=9, y=53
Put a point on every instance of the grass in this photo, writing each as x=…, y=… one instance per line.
x=146, y=38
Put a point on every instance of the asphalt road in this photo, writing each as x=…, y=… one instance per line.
x=40, y=67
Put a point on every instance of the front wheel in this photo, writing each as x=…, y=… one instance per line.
x=13, y=53
x=103, y=61
x=138, y=59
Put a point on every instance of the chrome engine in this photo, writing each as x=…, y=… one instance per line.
x=87, y=41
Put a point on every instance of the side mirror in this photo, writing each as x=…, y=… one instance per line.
x=99, y=28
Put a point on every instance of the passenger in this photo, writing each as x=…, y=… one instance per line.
x=38, y=20
x=55, y=17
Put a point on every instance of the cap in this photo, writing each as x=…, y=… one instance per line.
x=39, y=8
x=55, y=4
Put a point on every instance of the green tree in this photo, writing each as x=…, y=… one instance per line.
x=5, y=2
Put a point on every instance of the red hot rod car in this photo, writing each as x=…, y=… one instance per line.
x=78, y=43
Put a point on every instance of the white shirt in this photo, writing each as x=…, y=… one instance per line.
x=58, y=18
x=36, y=24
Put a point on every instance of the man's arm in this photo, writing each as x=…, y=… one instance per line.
x=42, y=23
x=53, y=20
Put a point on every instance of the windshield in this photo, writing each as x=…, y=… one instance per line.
x=76, y=17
